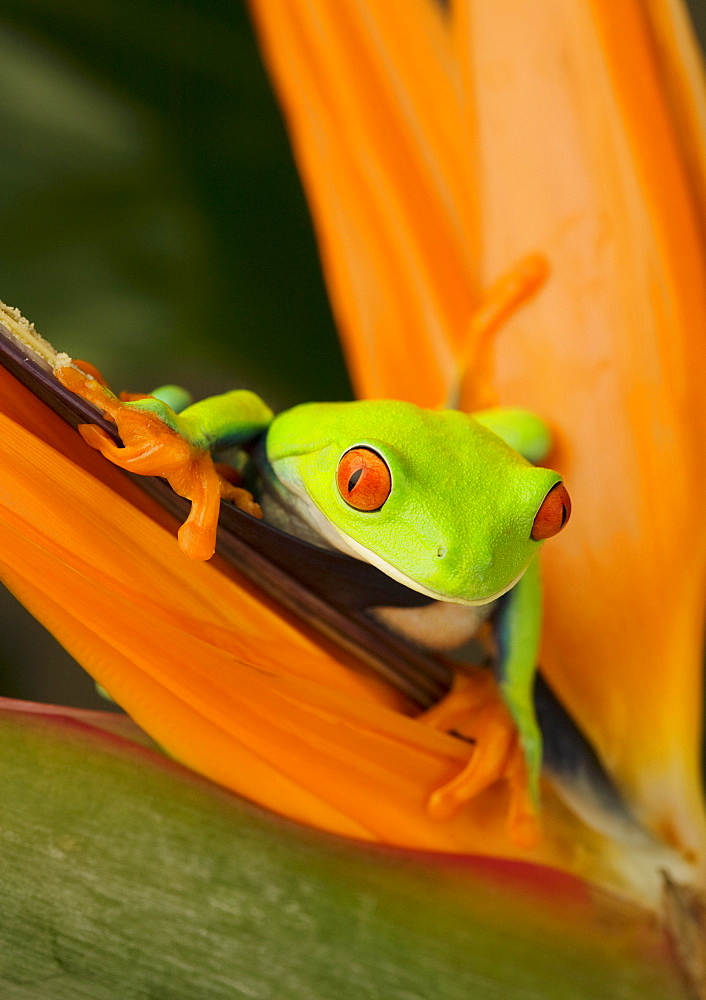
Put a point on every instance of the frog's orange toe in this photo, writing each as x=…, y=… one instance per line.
x=196, y=541
x=474, y=710
x=473, y=688
x=96, y=437
x=242, y=499
x=523, y=823
x=494, y=741
x=152, y=448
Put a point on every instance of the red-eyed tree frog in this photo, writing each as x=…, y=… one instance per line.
x=447, y=504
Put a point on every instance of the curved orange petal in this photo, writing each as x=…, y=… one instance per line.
x=371, y=95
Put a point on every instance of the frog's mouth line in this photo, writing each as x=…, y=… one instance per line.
x=360, y=552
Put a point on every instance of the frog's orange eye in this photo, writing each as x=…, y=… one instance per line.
x=363, y=479
x=553, y=514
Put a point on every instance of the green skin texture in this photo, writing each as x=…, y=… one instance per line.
x=458, y=521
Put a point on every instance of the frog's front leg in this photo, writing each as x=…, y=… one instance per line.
x=518, y=623
x=159, y=442
x=518, y=629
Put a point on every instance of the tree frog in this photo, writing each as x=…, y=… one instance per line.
x=448, y=504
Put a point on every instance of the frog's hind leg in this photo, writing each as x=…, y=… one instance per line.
x=474, y=710
x=496, y=710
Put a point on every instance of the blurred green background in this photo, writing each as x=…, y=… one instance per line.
x=153, y=223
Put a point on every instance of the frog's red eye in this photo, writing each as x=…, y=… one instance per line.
x=363, y=479
x=553, y=514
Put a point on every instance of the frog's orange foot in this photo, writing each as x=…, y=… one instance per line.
x=474, y=710
x=152, y=448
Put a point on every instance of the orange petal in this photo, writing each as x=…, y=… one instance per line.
x=371, y=95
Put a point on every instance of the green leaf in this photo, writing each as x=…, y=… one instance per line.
x=125, y=876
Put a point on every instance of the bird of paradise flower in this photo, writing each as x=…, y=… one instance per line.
x=475, y=138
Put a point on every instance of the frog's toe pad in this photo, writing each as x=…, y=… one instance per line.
x=97, y=438
x=242, y=499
